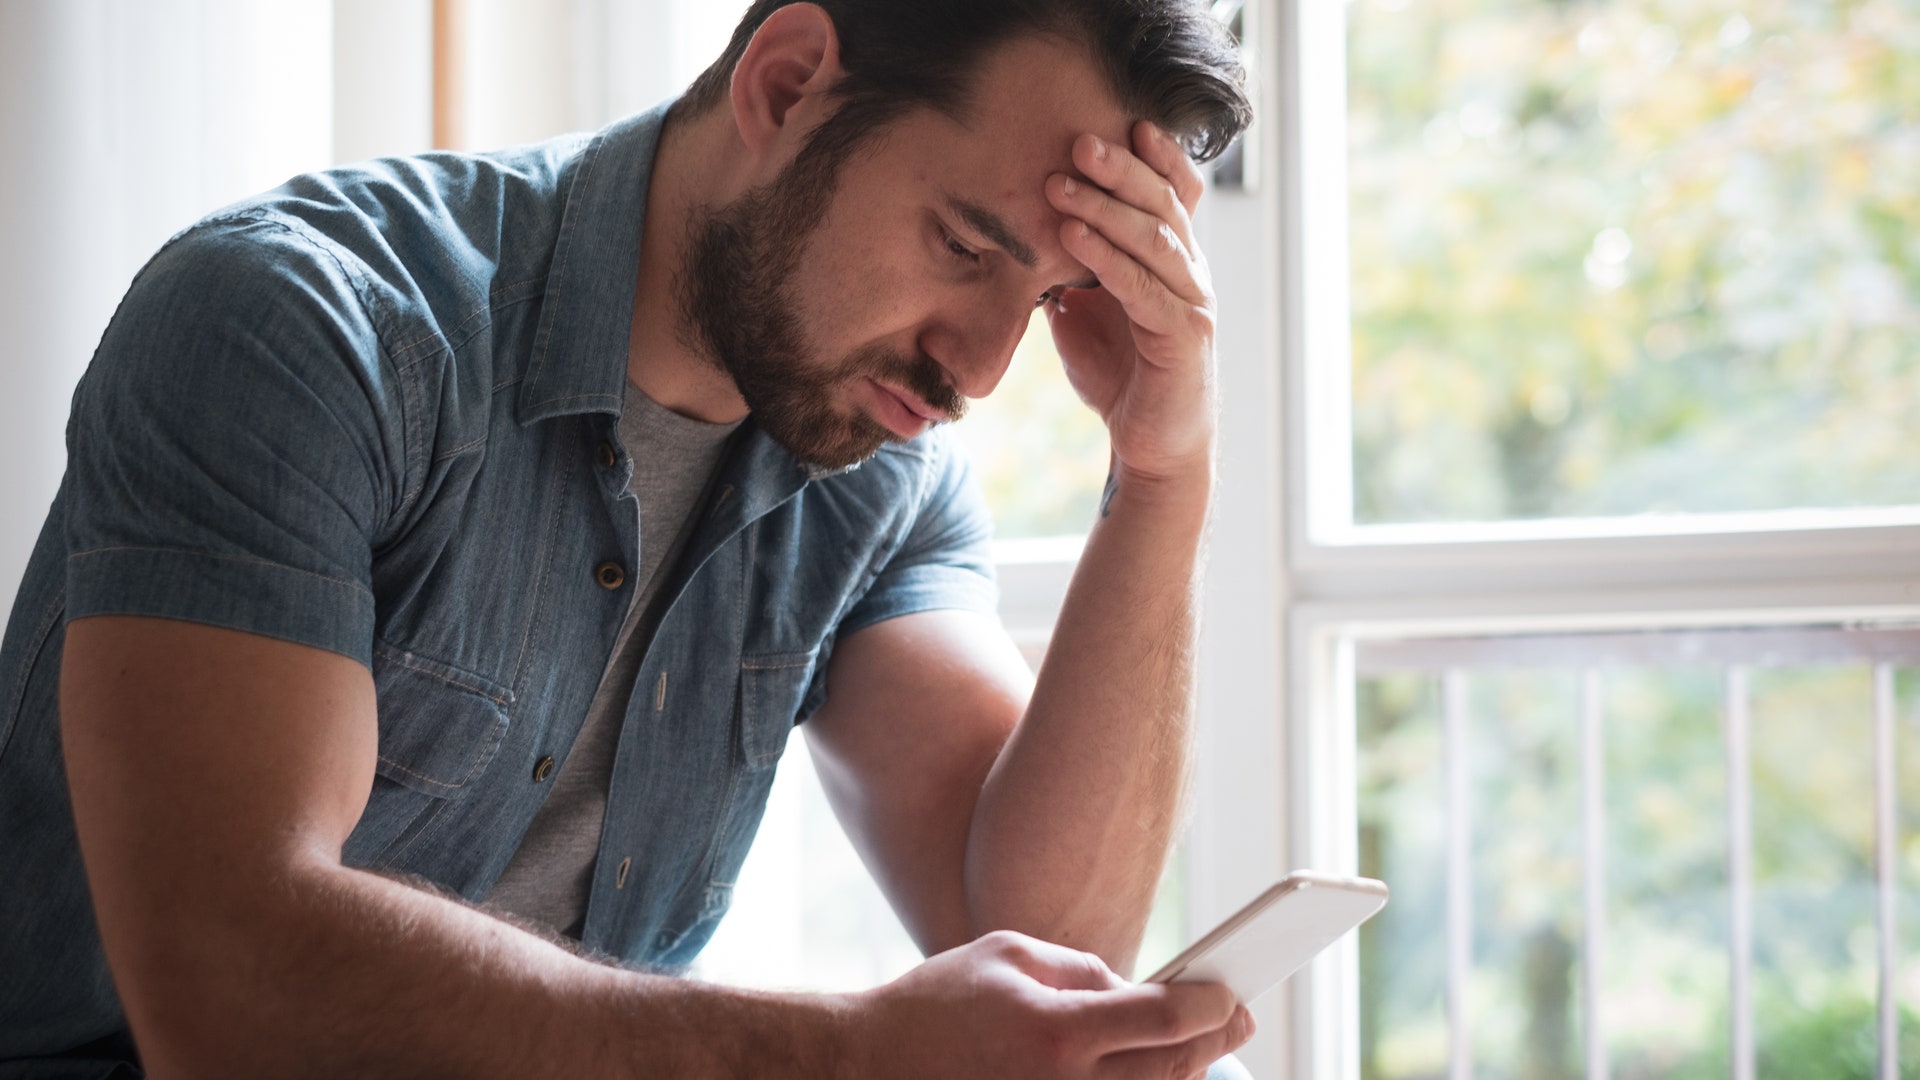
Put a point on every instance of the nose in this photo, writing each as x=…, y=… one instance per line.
x=977, y=347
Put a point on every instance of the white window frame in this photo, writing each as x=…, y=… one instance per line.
x=1293, y=584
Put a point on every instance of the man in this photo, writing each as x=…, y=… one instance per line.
x=346, y=620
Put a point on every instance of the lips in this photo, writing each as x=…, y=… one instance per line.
x=903, y=413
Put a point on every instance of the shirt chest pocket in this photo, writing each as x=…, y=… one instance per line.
x=777, y=690
x=440, y=726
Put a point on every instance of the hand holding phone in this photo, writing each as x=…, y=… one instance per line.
x=1272, y=937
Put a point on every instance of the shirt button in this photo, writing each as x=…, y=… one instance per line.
x=607, y=456
x=543, y=769
x=610, y=576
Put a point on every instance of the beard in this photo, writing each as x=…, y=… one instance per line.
x=738, y=312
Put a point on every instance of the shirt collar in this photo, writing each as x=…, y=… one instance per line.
x=579, y=359
x=580, y=348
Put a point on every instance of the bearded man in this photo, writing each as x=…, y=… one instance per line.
x=449, y=546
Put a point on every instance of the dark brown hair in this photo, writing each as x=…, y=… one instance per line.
x=1168, y=61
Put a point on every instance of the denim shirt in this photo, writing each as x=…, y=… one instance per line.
x=375, y=411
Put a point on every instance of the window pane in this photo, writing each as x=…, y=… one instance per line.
x=1616, y=258
x=1907, y=782
x=1040, y=453
x=1665, y=998
x=1523, y=745
x=1815, y=947
x=1402, y=808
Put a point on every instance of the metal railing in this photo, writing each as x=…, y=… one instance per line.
x=1455, y=662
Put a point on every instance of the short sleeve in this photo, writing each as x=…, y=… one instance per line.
x=946, y=560
x=236, y=443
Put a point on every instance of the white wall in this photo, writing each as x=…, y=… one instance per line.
x=382, y=78
x=541, y=67
x=122, y=121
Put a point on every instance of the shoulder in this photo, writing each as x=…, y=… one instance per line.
x=903, y=474
x=428, y=238
x=905, y=486
x=917, y=498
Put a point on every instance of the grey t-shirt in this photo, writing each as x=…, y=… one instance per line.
x=547, y=880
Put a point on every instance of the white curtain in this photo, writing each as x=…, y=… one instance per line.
x=122, y=121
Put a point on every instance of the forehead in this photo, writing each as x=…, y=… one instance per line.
x=1031, y=98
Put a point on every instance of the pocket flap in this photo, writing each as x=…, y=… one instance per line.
x=440, y=726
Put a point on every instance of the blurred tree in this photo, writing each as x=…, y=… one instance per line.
x=1617, y=258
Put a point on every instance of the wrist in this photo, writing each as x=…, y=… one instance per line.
x=707, y=1030
x=1184, y=486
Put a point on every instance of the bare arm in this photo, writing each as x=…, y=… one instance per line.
x=215, y=776
x=1075, y=821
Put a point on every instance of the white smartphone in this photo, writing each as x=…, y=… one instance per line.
x=1257, y=947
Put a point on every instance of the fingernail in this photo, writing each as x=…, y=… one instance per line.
x=1099, y=148
x=1085, y=231
x=1072, y=186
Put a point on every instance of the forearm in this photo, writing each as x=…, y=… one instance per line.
x=1073, y=825
x=342, y=973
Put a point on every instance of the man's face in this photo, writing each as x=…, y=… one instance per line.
x=865, y=310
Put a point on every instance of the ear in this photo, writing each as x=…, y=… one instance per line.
x=779, y=86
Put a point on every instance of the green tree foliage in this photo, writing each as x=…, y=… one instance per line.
x=1625, y=257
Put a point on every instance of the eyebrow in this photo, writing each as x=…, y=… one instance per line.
x=998, y=233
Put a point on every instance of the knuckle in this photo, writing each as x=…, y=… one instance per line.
x=1090, y=965
x=1139, y=282
x=1006, y=943
x=1167, y=200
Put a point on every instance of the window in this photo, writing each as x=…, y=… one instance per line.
x=1599, y=563
x=1618, y=258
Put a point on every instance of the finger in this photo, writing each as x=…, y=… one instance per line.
x=1133, y=181
x=1188, y=1059
x=1164, y=155
x=1149, y=303
x=1152, y=242
x=1056, y=966
x=1154, y=1014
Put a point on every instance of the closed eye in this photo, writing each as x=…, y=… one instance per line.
x=957, y=249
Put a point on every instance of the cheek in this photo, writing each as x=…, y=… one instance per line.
x=867, y=296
